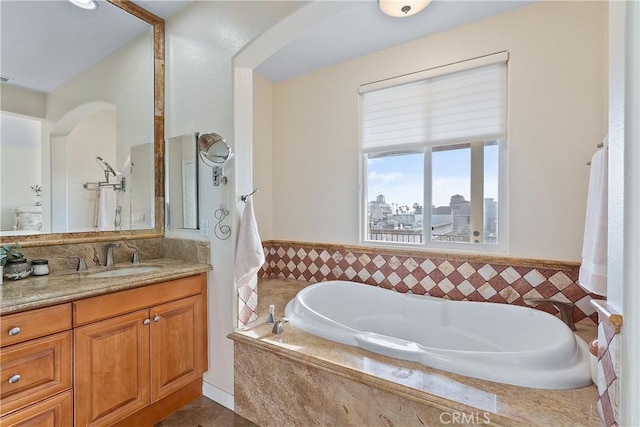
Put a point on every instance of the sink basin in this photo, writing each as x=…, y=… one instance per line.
x=127, y=271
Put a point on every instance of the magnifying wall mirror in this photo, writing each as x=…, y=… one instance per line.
x=214, y=152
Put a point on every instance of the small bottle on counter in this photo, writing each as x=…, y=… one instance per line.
x=271, y=318
x=40, y=267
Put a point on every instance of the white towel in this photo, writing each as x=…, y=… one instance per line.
x=249, y=253
x=105, y=209
x=593, y=271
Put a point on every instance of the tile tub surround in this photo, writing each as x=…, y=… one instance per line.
x=299, y=379
x=454, y=276
x=56, y=288
x=608, y=368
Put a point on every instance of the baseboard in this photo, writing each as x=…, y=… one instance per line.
x=217, y=395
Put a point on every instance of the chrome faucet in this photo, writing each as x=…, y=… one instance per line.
x=277, y=327
x=135, y=257
x=564, y=308
x=109, y=262
x=82, y=265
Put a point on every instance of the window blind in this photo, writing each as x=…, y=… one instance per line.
x=448, y=107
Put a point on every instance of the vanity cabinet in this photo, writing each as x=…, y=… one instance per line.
x=126, y=362
x=128, y=358
x=36, y=367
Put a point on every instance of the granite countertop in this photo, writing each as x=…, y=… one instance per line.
x=507, y=404
x=56, y=288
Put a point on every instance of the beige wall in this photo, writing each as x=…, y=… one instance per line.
x=557, y=115
x=19, y=100
x=124, y=79
x=263, y=154
x=92, y=137
x=202, y=40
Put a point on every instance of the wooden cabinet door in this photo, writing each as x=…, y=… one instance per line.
x=111, y=369
x=177, y=345
x=52, y=412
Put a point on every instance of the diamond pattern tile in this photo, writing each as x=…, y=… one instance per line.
x=487, y=272
x=560, y=280
x=607, y=368
x=455, y=279
x=534, y=277
x=446, y=268
x=466, y=270
x=487, y=291
x=466, y=288
x=427, y=266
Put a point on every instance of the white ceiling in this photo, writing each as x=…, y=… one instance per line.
x=47, y=42
x=40, y=54
x=364, y=29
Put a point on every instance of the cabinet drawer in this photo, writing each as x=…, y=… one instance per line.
x=53, y=412
x=37, y=323
x=105, y=306
x=35, y=370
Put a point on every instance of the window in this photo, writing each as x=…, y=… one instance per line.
x=433, y=144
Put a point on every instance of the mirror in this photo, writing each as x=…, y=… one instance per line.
x=59, y=122
x=181, y=171
x=214, y=152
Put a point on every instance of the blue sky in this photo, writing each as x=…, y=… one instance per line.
x=400, y=178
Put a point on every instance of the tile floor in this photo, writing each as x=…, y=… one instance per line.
x=204, y=412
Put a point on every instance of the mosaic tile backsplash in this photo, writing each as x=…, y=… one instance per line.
x=456, y=277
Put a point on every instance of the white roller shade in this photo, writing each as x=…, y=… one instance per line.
x=459, y=106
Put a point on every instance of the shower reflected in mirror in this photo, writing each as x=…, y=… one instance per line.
x=181, y=182
x=106, y=166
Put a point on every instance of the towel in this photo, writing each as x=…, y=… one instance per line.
x=105, y=209
x=593, y=271
x=249, y=253
x=249, y=259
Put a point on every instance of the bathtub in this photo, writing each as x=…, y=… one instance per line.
x=504, y=343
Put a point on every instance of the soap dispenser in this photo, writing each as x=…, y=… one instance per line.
x=271, y=318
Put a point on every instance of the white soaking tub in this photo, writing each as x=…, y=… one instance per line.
x=504, y=343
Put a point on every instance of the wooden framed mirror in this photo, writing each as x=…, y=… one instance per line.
x=152, y=224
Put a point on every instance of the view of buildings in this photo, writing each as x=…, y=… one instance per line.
x=389, y=221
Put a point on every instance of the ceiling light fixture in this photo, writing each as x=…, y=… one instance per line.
x=85, y=4
x=402, y=8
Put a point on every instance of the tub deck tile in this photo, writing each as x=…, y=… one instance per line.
x=334, y=370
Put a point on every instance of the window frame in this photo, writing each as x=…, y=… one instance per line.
x=502, y=245
x=427, y=243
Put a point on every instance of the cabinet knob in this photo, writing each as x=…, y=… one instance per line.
x=146, y=322
x=14, y=379
x=14, y=331
x=156, y=319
